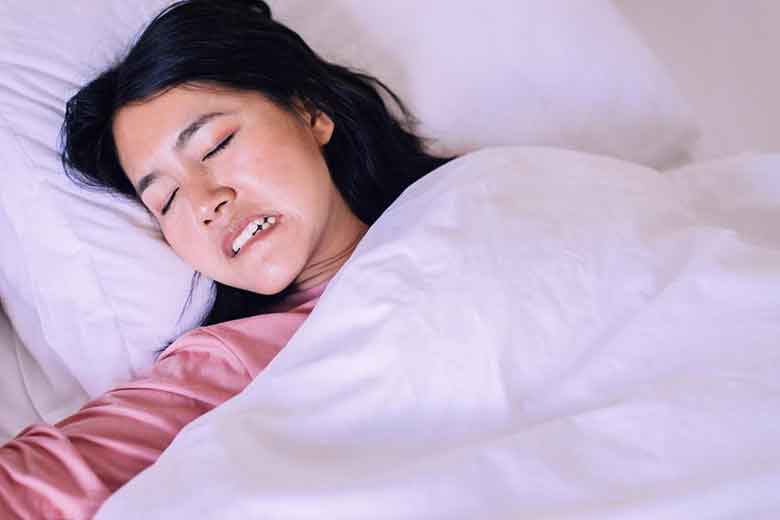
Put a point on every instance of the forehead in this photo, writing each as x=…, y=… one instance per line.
x=172, y=108
x=141, y=130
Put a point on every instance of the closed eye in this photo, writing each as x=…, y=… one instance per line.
x=170, y=201
x=221, y=146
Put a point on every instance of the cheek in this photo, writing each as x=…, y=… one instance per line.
x=184, y=242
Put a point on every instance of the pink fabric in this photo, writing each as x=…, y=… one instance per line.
x=67, y=470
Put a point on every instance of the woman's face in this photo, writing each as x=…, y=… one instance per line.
x=239, y=186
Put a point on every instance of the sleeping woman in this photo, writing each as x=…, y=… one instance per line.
x=264, y=166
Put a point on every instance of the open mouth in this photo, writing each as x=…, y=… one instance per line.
x=257, y=226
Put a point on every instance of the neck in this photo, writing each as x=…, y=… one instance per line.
x=324, y=269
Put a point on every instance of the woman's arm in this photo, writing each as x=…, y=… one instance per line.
x=69, y=469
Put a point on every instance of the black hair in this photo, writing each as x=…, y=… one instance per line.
x=372, y=156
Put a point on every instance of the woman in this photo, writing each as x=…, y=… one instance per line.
x=264, y=165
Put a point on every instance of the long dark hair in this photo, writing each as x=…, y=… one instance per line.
x=373, y=155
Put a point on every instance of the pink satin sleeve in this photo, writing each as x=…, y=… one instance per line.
x=68, y=470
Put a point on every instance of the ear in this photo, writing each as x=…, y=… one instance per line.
x=320, y=123
x=321, y=126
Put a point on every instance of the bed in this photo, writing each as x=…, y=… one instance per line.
x=603, y=345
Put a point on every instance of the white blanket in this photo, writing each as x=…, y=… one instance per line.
x=526, y=333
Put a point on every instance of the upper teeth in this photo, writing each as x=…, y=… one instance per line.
x=250, y=230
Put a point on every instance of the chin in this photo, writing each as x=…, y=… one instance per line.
x=272, y=282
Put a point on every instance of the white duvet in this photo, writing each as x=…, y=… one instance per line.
x=526, y=333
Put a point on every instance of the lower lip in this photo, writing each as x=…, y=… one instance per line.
x=256, y=238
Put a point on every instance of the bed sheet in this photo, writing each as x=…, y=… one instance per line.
x=526, y=333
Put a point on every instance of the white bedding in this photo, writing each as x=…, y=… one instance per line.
x=526, y=333
x=17, y=408
x=84, y=301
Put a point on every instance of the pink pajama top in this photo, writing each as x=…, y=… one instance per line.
x=68, y=470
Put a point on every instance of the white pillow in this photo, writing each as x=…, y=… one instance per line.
x=89, y=284
x=16, y=408
x=506, y=72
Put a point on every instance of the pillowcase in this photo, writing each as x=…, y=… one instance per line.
x=562, y=73
x=88, y=282
x=15, y=403
x=86, y=279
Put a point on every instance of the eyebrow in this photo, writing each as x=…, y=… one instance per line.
x=181, y=141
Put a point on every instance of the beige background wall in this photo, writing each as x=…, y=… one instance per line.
x=723, y=54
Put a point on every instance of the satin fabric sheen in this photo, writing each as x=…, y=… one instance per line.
x=69, y=469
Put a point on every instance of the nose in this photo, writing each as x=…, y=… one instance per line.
x=212, y=203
